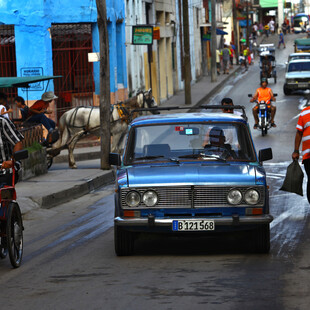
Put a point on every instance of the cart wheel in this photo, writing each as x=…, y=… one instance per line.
x=3, y=248
x=49, y=161
x=14, y=231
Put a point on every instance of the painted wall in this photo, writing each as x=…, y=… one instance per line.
x=33, y=19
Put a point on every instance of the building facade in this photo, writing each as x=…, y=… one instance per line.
x=159, y=66
x=54, y=37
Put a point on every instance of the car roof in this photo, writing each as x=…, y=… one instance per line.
x=299, y=54
x=188, y=117
x=299, y=60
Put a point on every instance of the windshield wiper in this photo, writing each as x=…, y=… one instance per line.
x=189, y=156
x=149, y=157
x=213, y=157
x=174, y=159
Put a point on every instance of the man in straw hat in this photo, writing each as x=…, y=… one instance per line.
x=36, y=113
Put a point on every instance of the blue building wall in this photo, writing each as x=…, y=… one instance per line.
x=33, y=18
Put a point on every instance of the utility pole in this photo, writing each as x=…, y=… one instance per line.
x=236, y=34
x=213, y=42
x=187, y=58
x=247, y=24
x=105, y=134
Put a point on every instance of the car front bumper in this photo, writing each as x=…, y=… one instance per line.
x=297, y=86
x=235, y=220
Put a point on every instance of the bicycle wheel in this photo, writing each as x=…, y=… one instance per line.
x=14, y=231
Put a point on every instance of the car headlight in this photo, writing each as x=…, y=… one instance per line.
x=133, y=199
x=251, y=196
x=150, y=198
x=234, y=197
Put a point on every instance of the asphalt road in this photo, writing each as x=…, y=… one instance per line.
x=69, y=260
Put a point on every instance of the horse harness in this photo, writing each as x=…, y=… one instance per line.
x=122, y=111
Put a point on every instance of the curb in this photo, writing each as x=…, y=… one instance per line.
x=78, y=157
x=77, y=191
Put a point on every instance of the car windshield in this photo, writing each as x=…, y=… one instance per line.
x=299, y=66
x=298, y=57
x=189, y=141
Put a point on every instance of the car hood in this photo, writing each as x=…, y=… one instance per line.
x=298, y=74
x=188, y=174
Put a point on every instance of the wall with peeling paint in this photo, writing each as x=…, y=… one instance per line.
x=33, y=18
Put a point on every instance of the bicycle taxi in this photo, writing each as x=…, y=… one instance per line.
x=267, y=62
x=11, y=223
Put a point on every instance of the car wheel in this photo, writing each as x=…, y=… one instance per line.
x=261, y=239
x=286, y=90
x=123, y=241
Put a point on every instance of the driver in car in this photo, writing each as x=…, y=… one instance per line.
x=217, y=145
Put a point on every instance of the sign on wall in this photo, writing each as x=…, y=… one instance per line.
x=33, y=71
x=142, y=35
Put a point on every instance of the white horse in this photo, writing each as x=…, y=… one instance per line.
x=75, y=123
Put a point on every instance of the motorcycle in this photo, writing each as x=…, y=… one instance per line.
x=264, y=115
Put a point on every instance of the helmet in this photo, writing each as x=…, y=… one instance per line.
x=264, y=80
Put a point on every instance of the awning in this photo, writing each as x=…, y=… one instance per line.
x=24, y=81
x=220, y=32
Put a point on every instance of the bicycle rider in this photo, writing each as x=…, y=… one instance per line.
x=264, y=93
x=10, y=143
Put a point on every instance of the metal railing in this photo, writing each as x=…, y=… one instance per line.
x=31, y=132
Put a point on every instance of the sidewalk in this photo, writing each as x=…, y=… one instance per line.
x=64, y=184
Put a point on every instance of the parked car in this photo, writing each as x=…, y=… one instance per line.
x=297, y=76
x=191, y=173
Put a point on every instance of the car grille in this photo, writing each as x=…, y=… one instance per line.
x=198, y=196
x=305, y=80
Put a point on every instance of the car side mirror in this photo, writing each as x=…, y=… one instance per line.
x=115, y=159
x=19, y=155
x=265, y=154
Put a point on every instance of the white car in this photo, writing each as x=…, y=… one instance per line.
x=297, y=76
x=294, y=56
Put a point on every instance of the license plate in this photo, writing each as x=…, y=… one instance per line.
x=192, y=225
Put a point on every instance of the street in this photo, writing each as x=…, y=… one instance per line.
x=69, y=260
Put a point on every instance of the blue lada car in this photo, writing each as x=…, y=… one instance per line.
x=191, y=173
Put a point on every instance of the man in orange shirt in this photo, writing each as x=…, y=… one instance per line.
x=264, y=93
x=303, y=134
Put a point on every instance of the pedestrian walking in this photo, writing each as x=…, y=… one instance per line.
x=266, y=28
x=218, y=61
x=281, y=39
x=303, y=135
x=226, y=58
x=272, y=26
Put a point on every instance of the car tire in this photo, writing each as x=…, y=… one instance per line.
x=261, y=239
x=286, y=90
x=123, y=241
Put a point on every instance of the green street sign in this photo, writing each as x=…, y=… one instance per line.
x=142, y=35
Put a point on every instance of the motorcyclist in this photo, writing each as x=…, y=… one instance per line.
x=264, y=93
